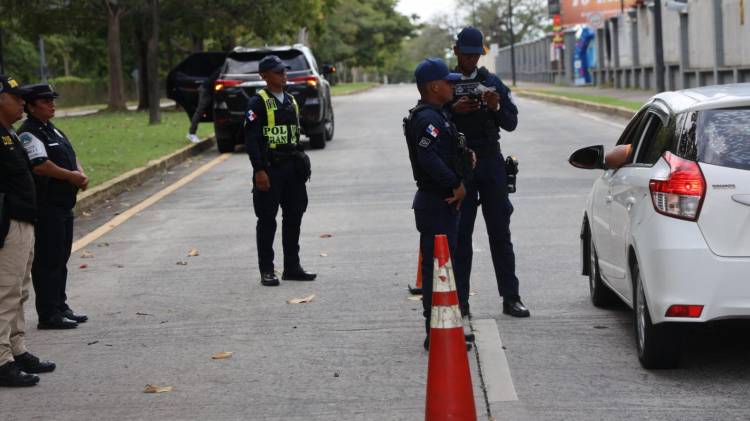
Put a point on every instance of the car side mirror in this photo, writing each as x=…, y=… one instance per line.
x=589, y=158
x=328, y=69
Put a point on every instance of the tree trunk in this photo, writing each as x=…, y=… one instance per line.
x=197, y=44
x=154, y=109
x=142, y=48
x=114, y=55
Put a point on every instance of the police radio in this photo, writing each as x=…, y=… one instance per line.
x=511, y=169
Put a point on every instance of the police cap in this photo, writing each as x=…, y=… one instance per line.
x=470, y=41
x=11, y=86
x=272, y=63
x=434, y=69
x=40, y=91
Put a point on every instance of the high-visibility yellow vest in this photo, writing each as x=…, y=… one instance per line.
x=281, y=134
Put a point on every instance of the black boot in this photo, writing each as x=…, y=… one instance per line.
x=298, y=274
x=269, y=279
x=12, y=376
x=58, y=321
x=31, y=364
x=78, y=318
x=515, y=308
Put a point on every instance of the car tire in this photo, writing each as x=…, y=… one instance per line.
x=329, y=123
x=225, y=145
x=601, y=295
x=659, y=346
x=318, y=140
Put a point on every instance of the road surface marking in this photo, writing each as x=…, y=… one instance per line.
x=121, y=218
x=493, y=364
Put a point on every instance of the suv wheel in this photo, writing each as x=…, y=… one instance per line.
x=658, y=345
x=318, y=140
x=601, y=295
x=329, y=122
x=225, y=145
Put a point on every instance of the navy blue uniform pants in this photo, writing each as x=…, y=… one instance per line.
x=433, y=218
x=489, y=187
x=49, y=273
x=288, y=192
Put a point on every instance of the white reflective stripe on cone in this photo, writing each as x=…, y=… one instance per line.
x=446, y=317
x=443, y=277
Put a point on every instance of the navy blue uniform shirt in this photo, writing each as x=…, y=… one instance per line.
x=256, y=119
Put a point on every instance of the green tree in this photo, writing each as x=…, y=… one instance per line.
x=530, y=19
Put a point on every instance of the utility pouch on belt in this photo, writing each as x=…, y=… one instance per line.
x=4, y=221
x=302, y=165
x=511, y=168
x=463, y=159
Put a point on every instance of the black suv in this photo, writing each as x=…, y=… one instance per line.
x=238, y=81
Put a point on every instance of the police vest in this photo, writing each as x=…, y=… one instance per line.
x=479, y=125
x=52, y=191
x=282, y=130
x=424, y=181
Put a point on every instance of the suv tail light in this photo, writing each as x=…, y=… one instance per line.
x=308, y=80
x=223, y=83
x=681, y=194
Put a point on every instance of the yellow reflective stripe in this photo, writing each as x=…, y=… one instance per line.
x=270, y=114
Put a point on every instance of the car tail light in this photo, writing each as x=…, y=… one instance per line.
x=224, y=83
x=682, y=310
x=681, y=194
x=308, y=80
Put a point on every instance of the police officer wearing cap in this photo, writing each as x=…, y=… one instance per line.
x=17, y=214
x=483, y=106
x=435, y=152
x=281, y=169
x=58, y=177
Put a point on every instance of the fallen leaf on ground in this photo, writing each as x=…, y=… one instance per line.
x=415, y=298
x=83, y=266
x=182, y=263
x=144, y=314
x=119, y=266
x=472, y=293
x=326, y=235
x=150, y=388
x=92, y=343
x=323, y=254
x=301, y=300
x=222, y=355
x=84, y=213
x=193, y=252
x=87, y=254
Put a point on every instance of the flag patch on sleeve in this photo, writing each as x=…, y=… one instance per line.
x=251, y=116
x=433, y=131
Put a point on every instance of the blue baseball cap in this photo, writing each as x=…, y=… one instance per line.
x=470, y=41
x=434, y=69
x=272, y=63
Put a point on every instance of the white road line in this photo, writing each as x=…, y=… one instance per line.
x=493, y=364
x=121, y=218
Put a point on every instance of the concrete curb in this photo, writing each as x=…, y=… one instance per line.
x=137, y=176
x=577, y=103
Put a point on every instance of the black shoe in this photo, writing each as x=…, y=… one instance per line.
x=468, y=338
x=269, y=279
x=298, y=274
x=57, y=321
x=12, y=376
x=78, y=318
x=31, y=364
x=515, y=308
x=465, y=311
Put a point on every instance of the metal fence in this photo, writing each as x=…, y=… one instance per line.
x=705, y=44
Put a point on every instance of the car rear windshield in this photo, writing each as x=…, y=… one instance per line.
x=242, y=63
x=724, y=137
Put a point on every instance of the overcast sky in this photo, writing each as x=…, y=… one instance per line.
x=426, y=8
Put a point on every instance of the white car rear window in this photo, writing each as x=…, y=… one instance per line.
x=723, y=137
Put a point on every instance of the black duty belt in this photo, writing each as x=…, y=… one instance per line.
x=488, y=150
x=279, y=157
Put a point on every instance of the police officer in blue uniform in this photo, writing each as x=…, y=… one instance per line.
x=17, y=214
x=483, y=106
x=281, y=169
x=58, y=177
x=436, y=154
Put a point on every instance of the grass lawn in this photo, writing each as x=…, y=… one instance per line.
x=110, y=144
x=348, y=88
x=599, y=99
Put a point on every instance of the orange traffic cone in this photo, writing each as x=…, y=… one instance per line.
x=418, y=289
x=450, y=395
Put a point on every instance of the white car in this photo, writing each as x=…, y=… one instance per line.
x=666, y=228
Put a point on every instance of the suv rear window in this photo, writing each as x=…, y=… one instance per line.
x=724, y=137
x=243, y=63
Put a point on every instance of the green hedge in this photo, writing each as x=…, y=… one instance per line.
x=76, y=91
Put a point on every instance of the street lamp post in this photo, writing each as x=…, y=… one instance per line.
x=658, y=47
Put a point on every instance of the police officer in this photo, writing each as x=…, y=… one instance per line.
x=281, y=169
x=205, y=100
x=58, y=176
x=16, y=244
x=434, y=152
x=483, y=106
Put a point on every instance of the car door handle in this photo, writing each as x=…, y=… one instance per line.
x=742, y=198
x=608, y=198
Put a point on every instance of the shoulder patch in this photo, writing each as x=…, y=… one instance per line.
x=425, y=142
x=251, y=116
x=433, y=131
x=33, y=146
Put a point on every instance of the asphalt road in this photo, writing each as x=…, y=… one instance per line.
x=354, y=352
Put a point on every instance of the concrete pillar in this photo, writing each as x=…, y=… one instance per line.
x=600, y=65
x=615, y=34
x=718, y=38
x=570, y=48
x=684, y=50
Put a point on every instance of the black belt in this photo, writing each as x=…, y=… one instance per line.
x=488, y=150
